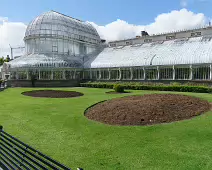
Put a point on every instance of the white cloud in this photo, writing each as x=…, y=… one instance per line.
x=175, y=20
x=118, y=29
x=10, y=33
x=13, y=32
x=3, y=19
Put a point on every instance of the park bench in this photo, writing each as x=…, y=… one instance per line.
x=17, y=155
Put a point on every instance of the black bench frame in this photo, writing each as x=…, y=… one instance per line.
x=17, y=155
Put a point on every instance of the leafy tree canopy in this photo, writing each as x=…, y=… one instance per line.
x=2, y=60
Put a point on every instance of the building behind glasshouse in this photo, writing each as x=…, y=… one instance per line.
x=60, y=48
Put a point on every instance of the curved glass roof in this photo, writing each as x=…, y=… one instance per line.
x=46, y=60
x=173, y=52
x=54, y=24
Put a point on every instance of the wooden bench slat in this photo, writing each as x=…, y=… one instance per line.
x=15, y=154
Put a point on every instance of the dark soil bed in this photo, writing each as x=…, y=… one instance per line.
x=52, y=93
x=147, y=109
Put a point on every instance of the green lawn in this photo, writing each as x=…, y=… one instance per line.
x=58, y=128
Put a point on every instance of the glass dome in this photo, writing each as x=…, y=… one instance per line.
x=54, y=24
x=58, y=40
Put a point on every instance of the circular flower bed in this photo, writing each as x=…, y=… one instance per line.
x=147, y=110
x=52, y=93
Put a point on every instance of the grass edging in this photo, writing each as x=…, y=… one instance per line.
x=93, y=106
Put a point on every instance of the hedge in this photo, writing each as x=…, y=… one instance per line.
x=160, y=87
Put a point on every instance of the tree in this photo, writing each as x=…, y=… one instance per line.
x=1, y=61
x=7, y=59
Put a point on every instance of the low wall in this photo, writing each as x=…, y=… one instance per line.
x=43, y=83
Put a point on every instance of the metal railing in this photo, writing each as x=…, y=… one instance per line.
x=17, y=155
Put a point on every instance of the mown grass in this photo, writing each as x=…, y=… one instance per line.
x=58, y=128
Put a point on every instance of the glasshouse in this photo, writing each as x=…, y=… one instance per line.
x=59, y=47
x=56, y=47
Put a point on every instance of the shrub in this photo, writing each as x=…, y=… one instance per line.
x=118, y=88
x=139, y=86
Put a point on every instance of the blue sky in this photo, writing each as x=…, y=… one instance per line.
x=100, y=11
x=113, y=19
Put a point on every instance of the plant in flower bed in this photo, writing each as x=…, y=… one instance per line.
x=150, y=86
x=118, y=88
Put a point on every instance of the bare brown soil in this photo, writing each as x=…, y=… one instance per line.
x=52, y=93
x=148, y=109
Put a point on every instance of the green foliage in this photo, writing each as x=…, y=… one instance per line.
x=7, y=59
x=2, y=60
x=118, y=88
x=155, y=87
